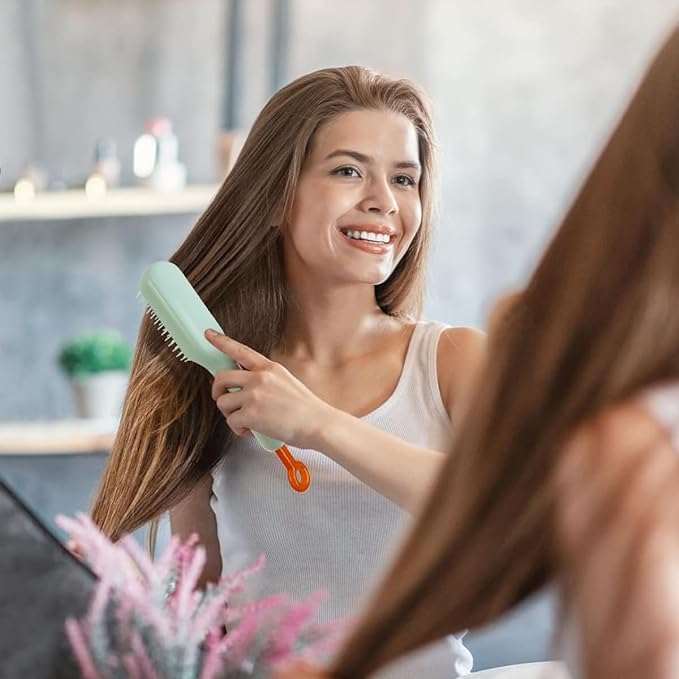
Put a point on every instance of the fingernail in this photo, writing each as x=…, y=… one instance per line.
x=211, y=333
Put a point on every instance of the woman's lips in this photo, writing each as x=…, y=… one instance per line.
x=372, y=247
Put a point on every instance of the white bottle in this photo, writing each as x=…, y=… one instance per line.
x=156, y=157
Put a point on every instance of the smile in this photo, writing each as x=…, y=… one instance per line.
x=370, y=242
x=368, y=236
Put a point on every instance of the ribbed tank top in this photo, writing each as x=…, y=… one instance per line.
x=340, y=535
x=661, y=402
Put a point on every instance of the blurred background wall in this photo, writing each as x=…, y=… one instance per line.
x=524, y=94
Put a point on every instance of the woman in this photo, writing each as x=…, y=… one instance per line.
x=313, y=253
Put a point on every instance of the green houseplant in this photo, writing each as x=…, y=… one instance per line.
x=98, y=366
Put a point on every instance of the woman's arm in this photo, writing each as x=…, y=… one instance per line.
x=394, y=468
x=194, y=515
x=399, y=470
x=275, y=403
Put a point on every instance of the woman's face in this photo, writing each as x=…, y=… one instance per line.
x=357, y=207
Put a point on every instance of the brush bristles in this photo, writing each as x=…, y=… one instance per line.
x=165, y=333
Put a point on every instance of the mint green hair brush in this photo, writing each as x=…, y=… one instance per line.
x=182, y=316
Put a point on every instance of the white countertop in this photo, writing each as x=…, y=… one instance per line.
x=75, y=204
x=45, y=437
x=534, y=670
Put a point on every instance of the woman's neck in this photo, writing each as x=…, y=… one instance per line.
x=333, y=327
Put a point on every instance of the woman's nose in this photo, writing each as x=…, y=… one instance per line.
x=380, y=199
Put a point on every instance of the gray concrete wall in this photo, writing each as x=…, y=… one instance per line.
x=524, y=93
x=62, y=278
x=74, y=70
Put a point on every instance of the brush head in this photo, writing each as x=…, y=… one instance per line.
x=181, y=316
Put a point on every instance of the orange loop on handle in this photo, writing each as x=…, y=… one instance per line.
x=298, y=475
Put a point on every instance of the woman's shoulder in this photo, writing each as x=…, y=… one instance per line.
x=631, y=424
x=652, y=414
x=460, y=356
x=618, y=427
x=622, y=433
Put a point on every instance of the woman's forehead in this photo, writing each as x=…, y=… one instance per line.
x=371, y=132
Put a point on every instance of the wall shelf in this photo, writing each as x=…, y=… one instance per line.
x=122, y=202
x=57, y=437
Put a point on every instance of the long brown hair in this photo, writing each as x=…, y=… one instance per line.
x=171, y=434
x=598, y=320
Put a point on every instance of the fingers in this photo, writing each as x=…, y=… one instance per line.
x=230, y=404
x=246, y=357
x=239, y=393
x=238, y=431
x=230, y=379
x=230, y=398
x=233, y=422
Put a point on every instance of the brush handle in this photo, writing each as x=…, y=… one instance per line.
x=298, y=474
x=272, y=445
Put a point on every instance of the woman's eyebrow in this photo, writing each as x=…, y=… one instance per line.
x=360, y=157
x=363, y=158
x=408, y=165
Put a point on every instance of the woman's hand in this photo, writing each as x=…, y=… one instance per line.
x=270, y=399
x=76, y=549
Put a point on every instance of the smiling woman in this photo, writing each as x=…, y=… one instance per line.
x=354, y=194
x=313, y=257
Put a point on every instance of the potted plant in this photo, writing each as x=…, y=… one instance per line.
x=98, y=365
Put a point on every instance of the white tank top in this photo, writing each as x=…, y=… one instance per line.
x=662, y=404
x=340, y=535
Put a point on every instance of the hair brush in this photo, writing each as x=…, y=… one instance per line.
x=182, y=317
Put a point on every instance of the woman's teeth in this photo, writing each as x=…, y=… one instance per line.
x=369, y=236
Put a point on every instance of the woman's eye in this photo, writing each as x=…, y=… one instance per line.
x=404, y=180
x=347, y=172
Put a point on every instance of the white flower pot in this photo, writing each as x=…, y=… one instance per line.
x=100, y=395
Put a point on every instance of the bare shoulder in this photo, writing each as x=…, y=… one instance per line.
x=618, y=430
x=461, y=352
x=621, y=437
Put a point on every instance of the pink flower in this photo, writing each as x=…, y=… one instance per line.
x=148, y=620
